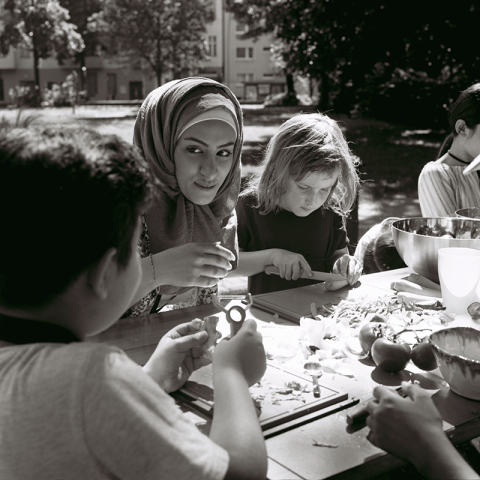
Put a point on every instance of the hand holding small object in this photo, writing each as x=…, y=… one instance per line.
x=411, y=428
x=350, y=267
x=235, y=315
x=243, y=353
x=176, y=357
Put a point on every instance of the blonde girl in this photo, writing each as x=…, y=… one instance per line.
x=293, y=215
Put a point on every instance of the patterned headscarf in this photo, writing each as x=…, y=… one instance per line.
x=174, y=220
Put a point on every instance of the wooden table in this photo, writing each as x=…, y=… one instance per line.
x=292, y=454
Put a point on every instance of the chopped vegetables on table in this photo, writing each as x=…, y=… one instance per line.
x=332, y=333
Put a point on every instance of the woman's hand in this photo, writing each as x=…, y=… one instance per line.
x=348, y=266
x=290, y=264
x=176, y=356
x=193, y=265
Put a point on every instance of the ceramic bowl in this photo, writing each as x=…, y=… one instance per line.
x=457, y=351
x=473, y=212
x=418, y=239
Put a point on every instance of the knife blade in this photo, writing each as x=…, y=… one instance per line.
x=321, y=276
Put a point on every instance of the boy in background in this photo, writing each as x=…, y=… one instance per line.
x=70, y=207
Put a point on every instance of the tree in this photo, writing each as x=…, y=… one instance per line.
x=167, y=34
x=341, y=43
x=80, y=11
x=315, y=38
x=41, y=26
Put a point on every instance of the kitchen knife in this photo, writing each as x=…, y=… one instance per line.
x=359, y=412
x=321, y=276
x=472, y=166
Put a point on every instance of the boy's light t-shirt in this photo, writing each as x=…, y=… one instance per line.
x=86, y=411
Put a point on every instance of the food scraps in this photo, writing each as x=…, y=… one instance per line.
x=322, y=444
x=332, y=333
x=276, y=394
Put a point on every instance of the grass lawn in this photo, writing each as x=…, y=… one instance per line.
x=392, y=155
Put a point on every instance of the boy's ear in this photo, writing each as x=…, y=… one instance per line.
x=100, y=273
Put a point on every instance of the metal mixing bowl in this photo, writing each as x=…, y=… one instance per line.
x=473, y=212
x=420, y=251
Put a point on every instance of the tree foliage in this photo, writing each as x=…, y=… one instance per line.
x=168, y=35
x=80, y=11
x=41, y=26
x=347, y=45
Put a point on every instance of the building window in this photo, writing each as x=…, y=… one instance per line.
x=212, y=46
x=25, y=52
x=267, y=75
x=244, y=53
x=251, y=93
x=27, y=83
x=111, y=86
x=2, y=95
x=277, y=89
x=267, y=49
x=241, y=28
x=244, y=77
x=136, y=91
x=92, y=89
x=264, y=89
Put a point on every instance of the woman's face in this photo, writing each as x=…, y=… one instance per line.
x=308, y=194
x=203, y=157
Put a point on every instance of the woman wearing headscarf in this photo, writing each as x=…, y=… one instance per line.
x=191, y=133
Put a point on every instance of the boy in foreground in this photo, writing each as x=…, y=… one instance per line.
x=70, y=206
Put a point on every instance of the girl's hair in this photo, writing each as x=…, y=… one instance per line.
x=466, y=108
x=304, y=144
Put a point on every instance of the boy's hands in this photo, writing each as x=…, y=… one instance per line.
x=193, y=265
x=243, y=353
x=348, y=266
x=290, y=264
x=176, y=357
x=406, y=427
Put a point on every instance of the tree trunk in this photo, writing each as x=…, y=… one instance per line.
x=324, y=102
x=36, y=69
x=82, y=75
x=290, y=86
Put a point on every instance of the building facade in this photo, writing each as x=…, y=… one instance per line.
x=243, y=65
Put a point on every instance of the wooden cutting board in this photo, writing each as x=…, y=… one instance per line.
x=295, y=303
x=281, y=406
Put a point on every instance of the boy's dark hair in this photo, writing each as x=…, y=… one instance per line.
x=66, y=197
